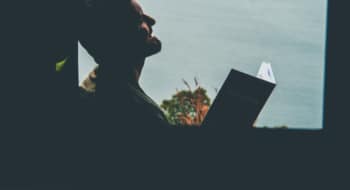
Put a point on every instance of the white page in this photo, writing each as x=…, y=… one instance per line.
x=265, y=72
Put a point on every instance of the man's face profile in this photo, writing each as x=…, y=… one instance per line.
x=151, y=44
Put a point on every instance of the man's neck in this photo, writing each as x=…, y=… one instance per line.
x=138, y=69
x=126, y=74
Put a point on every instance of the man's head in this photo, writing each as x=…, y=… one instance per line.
x=147, y=43
x=118, y=34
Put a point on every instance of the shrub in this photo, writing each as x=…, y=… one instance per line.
x=187, y=107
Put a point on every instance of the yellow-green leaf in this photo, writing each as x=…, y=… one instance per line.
x=60, y=65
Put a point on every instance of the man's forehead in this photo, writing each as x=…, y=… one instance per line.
x=137, y=6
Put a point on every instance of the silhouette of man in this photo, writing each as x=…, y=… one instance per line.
x=119, y=96
x=39, y=104
x=122, y=118
x=39, y=96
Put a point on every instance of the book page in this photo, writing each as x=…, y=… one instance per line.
x=265, y=72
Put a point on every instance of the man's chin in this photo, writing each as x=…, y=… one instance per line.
x=153, y=46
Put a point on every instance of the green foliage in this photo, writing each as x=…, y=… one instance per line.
x=60, y=65
x=187, y=107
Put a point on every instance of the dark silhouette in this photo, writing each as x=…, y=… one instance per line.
x=119, y=96
x=120, y=114
x=39, y=104
x=44, y=140
x=46, y=133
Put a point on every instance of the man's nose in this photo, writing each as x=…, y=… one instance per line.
x=151, y=21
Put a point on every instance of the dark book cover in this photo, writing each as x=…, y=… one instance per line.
x=239, y=101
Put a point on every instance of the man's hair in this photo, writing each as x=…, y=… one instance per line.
x=108, y=30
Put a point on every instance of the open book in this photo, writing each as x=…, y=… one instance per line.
x=241, y=99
